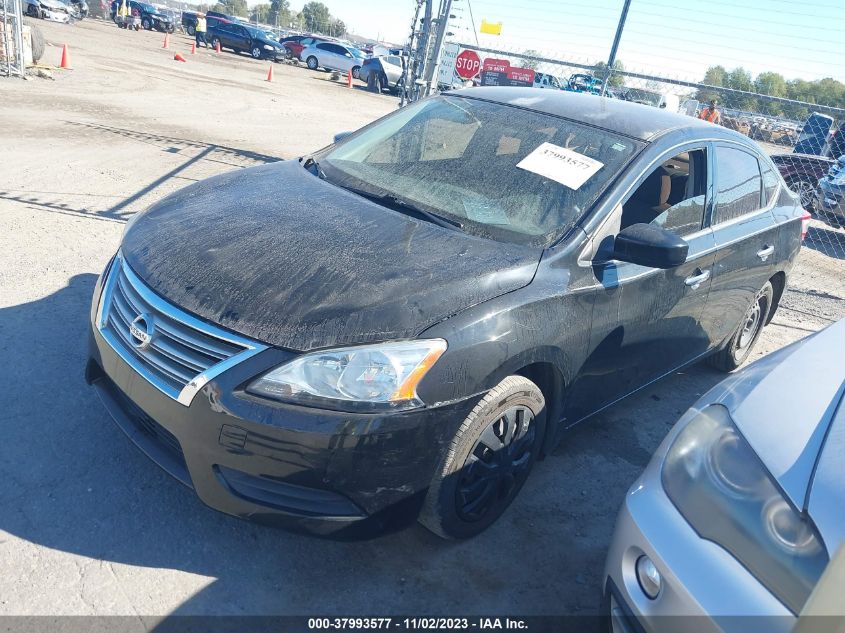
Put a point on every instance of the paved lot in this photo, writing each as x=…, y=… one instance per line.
x=88, y=525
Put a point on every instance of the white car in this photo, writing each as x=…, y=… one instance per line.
x=333, y=56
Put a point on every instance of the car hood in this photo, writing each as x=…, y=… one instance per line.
x=279, y=255
x=54, y=4
x=785, y=405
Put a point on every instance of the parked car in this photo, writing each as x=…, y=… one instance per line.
x=53, y=10
x=830, y=193
x=247, y=39
x=295, y=43
x=580, y=82
x=397, y=326
x=388, y=70
x=802, y=172
x=333, y=56
x=545, y=80
x=151, y=18
x=189, y=22
x=743, y=504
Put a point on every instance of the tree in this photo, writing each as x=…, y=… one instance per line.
x=317, y=16
x=337, y=27
x=528, y=61
x=715, y=76
x=279, y=12
x=261, y=13
x=614, y=81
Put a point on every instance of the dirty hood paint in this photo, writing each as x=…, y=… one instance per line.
x=279, y=255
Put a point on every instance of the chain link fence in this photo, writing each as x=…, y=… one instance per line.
x=794, y=111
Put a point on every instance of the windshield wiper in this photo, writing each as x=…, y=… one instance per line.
x=313, y=166
x=398, y=204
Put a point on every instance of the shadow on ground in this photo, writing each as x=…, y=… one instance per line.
x=70, y=481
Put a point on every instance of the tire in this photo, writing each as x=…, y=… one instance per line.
x=255, y=52
x=311, y=62
x=383, y=83
x=148, y=26
x=288, y=53
x=487, y=461
x=356, y=71
x=215, y=42
x=805, y=188
x=32, y=11
x=739, y=346
x=191, y=31
x=38, y=43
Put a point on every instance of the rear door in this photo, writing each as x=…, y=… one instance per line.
x=745, y=234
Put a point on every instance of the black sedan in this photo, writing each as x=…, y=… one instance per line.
x=398, y=326
x=247, y=39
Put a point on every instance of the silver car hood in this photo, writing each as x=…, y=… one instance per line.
x=785, y=405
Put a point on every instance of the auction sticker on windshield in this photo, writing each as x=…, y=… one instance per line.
x=562, y=165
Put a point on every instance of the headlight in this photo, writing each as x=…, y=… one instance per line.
x=267, y=47
x=727, y=495
x=369, y=377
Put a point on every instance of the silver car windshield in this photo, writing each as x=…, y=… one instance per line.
x=459, y=158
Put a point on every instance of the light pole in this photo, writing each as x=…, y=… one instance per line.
x=612, y=59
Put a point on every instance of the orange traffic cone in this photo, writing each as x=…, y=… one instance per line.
x=194, y=48
x=166, y=36
x=349, y=79
x=217, y=47
x=270, y=73
x=65, y=63
x=179, y=58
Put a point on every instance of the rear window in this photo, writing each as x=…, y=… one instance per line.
x=738, y=184
x=458, y=157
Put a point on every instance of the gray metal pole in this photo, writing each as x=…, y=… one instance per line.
x=612, y=59
x=434, y=61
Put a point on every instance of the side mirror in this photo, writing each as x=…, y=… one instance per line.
x=340, y=136
x=649, y=245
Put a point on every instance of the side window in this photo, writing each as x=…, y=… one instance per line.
x=770, y=181
x=738, y=184
x=324, y=47
x=671, y=196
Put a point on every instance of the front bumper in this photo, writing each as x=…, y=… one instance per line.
x=329, y=473
x=830, y=198
x=704, y=589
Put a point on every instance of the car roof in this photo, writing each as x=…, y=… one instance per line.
x=631, y=119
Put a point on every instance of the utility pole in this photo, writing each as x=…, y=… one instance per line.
x=433, y=61
x=612, y=59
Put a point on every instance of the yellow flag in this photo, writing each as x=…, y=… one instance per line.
x=491, y=28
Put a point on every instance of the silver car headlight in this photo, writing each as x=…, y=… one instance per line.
x=364, y=378
x=727, y=495
x=267, y=47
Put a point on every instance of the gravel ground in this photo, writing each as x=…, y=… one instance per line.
x=89, y=526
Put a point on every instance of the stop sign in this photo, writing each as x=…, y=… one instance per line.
x=467, y=64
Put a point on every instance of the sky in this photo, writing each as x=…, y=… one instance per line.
x=670, y=38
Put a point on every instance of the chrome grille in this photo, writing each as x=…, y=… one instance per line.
x=172, y=349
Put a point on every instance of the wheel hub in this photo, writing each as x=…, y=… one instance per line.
x=750, y=325
x=497, y=464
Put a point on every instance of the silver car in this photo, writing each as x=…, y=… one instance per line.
x=743, y=504
x=333, y=56
x=388, y=69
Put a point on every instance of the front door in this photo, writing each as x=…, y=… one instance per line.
x=646, y=321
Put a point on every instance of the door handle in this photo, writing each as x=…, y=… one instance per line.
x=765, y=252
x=695, y=281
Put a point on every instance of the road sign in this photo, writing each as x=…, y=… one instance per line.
x=446, y=70
x=467, y=64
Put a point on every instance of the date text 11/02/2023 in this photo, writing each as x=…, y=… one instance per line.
x=421, y=623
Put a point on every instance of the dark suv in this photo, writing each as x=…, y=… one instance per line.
x=242, y=38
x=151, y=18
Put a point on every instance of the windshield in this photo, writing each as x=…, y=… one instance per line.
x=458, y=158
